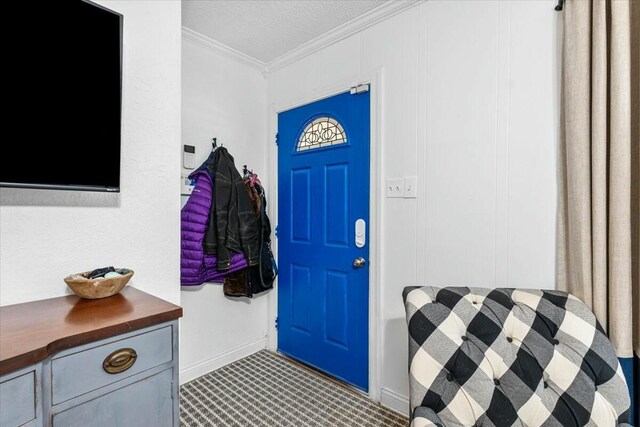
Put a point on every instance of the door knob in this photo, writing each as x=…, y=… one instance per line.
x=359, y=262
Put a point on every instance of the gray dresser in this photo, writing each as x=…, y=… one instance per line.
x=110, y=362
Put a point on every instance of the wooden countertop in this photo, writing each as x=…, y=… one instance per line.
x=32, y=331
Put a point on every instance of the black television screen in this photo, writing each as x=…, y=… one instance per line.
x=65, y=97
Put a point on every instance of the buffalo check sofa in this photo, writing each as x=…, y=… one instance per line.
x=510, y=357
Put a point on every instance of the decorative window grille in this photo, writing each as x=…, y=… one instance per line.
x=322, y=132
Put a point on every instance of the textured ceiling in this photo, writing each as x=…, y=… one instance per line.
x=269, y=28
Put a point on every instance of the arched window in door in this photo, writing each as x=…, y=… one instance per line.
x=321, y=132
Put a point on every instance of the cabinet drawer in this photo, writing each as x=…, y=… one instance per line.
x=78, y=373
x=18, y=400
x=148, y=402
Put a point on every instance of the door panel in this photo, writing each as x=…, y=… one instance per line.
x=323, y=300
x=336, y=216
x=336, y=294
x=301, y=205
x=300, y=297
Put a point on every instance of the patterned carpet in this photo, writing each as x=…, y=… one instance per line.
x=265, y=389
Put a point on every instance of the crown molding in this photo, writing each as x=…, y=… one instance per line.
x=223, y=49
x=366, y=20
x=362, y=22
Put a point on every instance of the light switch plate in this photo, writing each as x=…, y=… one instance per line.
x=410, y=187
x=395, y=187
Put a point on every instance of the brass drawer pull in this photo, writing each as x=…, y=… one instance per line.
x=119, y=360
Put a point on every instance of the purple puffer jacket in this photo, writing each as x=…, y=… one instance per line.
x=196, y=267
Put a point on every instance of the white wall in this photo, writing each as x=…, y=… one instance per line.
x=469, y=105
x=46, y=235
x=225, y=99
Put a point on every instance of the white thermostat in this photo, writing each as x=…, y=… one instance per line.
x=189, y=157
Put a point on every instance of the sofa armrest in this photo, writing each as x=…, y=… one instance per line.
x=426, y=417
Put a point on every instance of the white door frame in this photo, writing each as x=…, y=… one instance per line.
x=374, y=79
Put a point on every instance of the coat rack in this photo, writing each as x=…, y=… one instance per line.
x=246, y=173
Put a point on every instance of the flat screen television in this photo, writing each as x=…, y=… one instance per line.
x=64, y=97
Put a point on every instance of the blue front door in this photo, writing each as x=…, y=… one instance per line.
x=323, y=196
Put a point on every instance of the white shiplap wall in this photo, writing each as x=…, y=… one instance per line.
x=222, y=98
x=46, y=235
x=469, y=104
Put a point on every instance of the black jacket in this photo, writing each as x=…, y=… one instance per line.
x=258, y=278
x=261, y=276
x=232, y=221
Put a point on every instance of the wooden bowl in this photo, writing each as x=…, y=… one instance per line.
x=99, y=287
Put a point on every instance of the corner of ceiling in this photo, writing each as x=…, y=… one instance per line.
x=223, y=49
x=366, y=20
x=356, y=25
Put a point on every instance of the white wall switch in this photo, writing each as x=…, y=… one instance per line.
x=410, y=187
x=395, y=187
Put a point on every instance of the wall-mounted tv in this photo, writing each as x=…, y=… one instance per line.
x=63, y=86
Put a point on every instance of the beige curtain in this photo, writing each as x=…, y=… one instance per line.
x=598, y=257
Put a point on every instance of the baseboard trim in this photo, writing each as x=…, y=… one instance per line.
x=394, y=401
x=199, y=369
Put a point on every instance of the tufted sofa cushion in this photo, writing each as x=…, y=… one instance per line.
x=503, y=357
